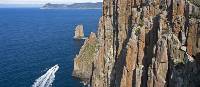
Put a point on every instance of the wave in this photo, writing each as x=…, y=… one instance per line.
x=47, y=79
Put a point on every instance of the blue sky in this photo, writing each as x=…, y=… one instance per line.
x=44, y=1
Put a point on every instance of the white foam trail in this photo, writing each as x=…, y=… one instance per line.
x=47, y=79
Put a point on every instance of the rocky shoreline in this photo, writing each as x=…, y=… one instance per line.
x=143, y=43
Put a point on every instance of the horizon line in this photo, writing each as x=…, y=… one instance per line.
x=45, y=3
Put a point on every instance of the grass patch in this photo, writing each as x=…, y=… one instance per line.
x=88, y=53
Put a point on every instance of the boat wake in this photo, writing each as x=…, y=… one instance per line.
x=47, y=79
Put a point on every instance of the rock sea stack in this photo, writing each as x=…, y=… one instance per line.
x=79, y=33
x=143, y=43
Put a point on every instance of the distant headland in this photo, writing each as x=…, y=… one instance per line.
x=97, y=5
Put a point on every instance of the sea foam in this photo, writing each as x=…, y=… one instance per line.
x=47, y=79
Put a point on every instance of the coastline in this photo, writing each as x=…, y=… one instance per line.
x=70, y=8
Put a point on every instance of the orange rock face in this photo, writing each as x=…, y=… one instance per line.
x=147, y=43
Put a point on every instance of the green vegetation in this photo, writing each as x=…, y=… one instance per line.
x=141, y=24
x=195, y=2
x=194, y=15
x=90, y=49
x=137, y=31
x=88, y=53
x=178, y=61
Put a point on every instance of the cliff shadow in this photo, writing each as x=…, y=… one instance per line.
x=120, y=57
x=150, y=42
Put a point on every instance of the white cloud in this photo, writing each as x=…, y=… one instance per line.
x=43, y=1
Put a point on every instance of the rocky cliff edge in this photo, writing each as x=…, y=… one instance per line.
x=144, y=43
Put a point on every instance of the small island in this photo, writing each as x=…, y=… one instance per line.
x=79, y=33
x=97, y=5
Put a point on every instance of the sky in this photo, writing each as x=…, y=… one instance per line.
x=45, y=1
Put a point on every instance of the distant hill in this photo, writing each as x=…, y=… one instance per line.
x=97, y=5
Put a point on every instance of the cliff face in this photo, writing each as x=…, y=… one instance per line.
x=83, y=62
x=147, y=43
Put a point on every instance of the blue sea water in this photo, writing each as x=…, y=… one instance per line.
x=34, y=40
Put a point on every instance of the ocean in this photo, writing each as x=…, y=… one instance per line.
x=33, y=40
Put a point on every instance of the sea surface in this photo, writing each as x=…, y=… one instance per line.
x=33, y=42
